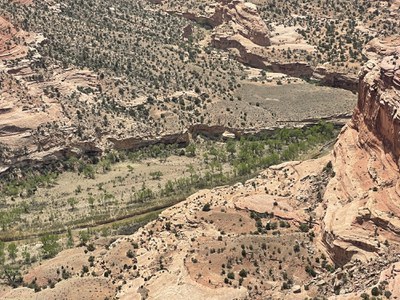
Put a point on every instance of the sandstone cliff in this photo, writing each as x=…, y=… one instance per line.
x=362, y=200
x=379, y=95
x=242, y=18
x=230, y=18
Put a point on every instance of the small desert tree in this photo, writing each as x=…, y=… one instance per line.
x=50, y=246
x=12, y=251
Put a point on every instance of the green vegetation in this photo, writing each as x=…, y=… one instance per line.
x=310, y=270
x=286, y=144
x=375, y=291
x=12, y=251
x=206, y=207
x=70, y=239
x=84, y=237
x=50, y=246
x=304, y=227
x=12, y=275
x=27, y=187
x=9, y=272
x=246, y=157
x=243, y=273
x=231, y=275
x=214, y=164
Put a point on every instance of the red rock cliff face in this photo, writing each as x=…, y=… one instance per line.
x=361, y=205
x=378, y=105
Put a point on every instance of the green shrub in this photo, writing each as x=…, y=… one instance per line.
x=304, y=227
x=206, y=207
x=375, y=291
x=310, y=270
x=50, y=245
x=243, y=273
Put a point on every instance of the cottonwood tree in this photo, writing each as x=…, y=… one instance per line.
x=50, y=246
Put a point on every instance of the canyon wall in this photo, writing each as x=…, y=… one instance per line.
x=379, y=95
x=361, y=211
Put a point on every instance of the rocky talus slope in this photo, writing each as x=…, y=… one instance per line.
x=327, y=227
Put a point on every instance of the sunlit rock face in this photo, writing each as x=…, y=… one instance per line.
x=362, y=200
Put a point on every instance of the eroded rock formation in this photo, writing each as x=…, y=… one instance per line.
x=363, y=199
x=235, y=24
x=242, y=18
x=232, y=18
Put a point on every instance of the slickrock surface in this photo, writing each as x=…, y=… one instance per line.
x=182, y=254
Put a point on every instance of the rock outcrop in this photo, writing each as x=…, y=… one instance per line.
x=335, y=79
x=242, y=18
x=235, y=24
x=232, y=17
x=362, y=201
x=379, y=95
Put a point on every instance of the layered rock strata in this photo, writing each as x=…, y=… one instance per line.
x=362, y=201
